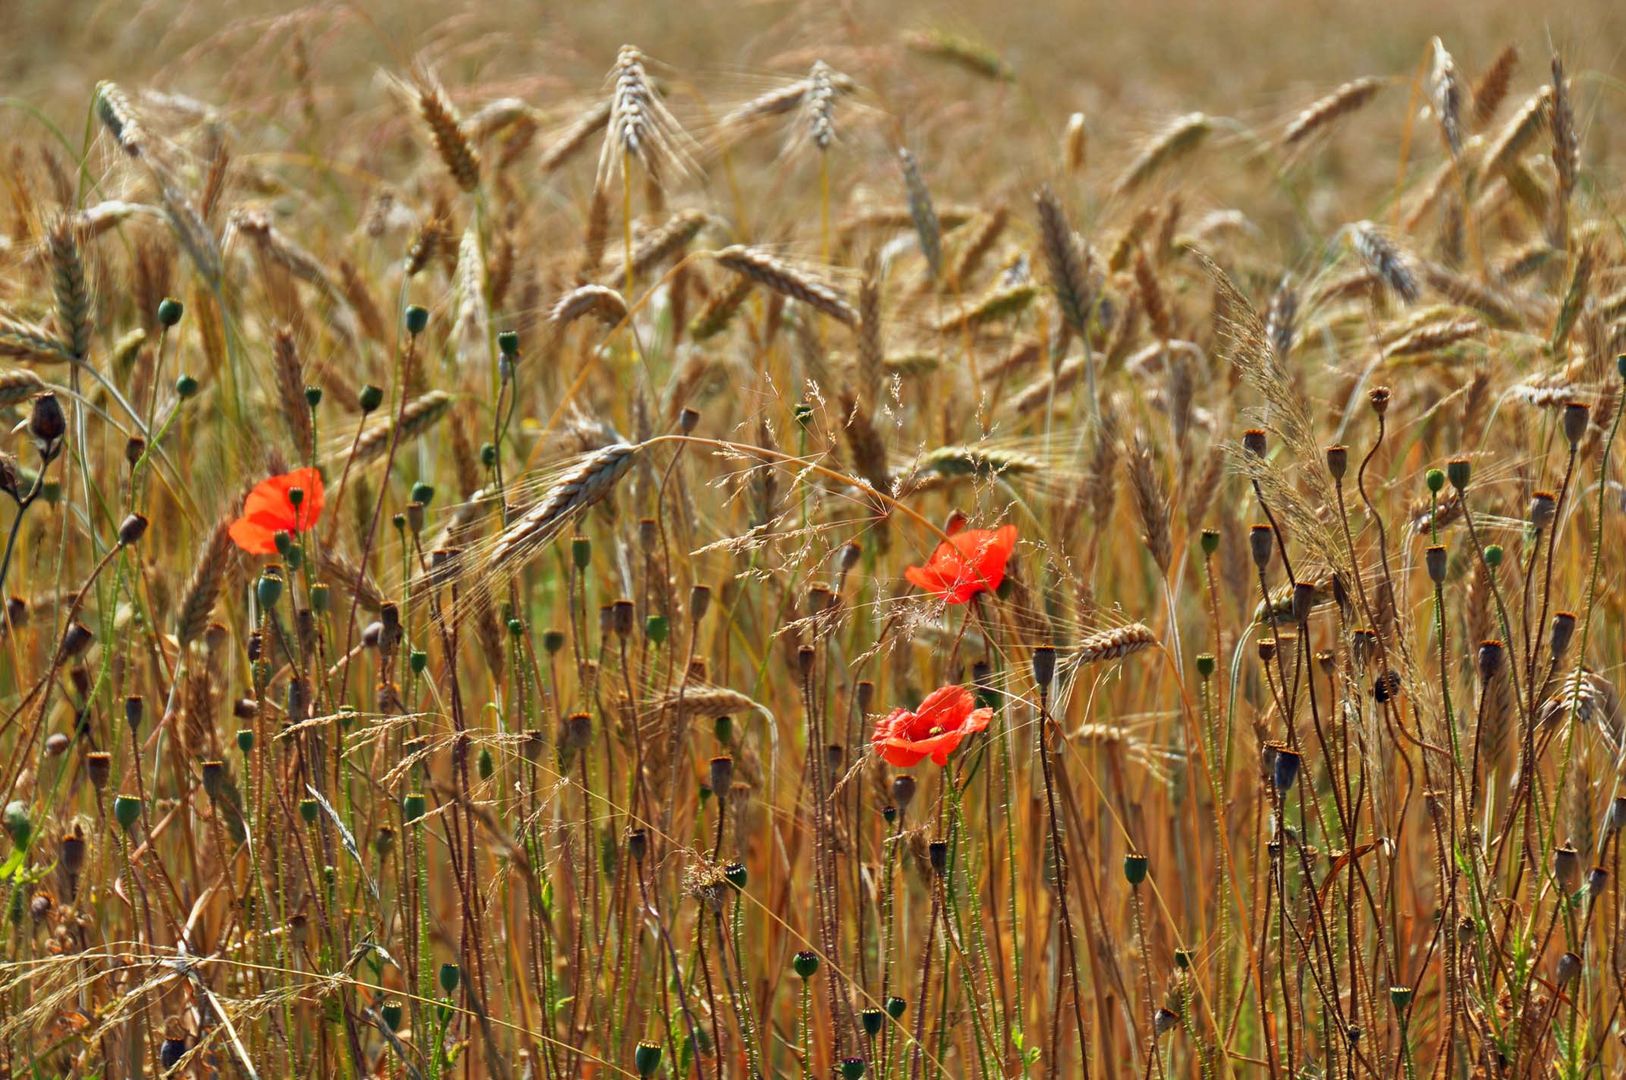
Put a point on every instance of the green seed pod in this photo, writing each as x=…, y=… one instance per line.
x=646, y=1058
x=307, y=810
x=736, y=875
x=853, y=1068
x=423, y=493
x=655, y=629
x=805, y=963
x=391, y=1011
x=1210, y=541
x=370, y=398
x=414, y=806
x=872, y=1019
x=508, y=343
x=185, y=387
x=1435, y=479
x=245, y=739
x=1135, y=866
x=126, y=811
x=1205, y=664
x=485, y=764
x=1400, y=997
x=170, y=311
x=895, y=1007
x=417, y=319
x=268, y=590
x=1460, y=471
x=581, y=552
x=450, y=976
x=313, y=396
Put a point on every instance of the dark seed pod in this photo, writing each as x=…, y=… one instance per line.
x=1261, y=539
x=1338, y=461
x=1563, y=631
x=1576, y=415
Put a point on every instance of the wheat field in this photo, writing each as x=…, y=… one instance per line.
x=787, y=540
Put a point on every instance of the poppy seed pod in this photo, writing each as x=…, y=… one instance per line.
x=581, y=552
x=1490, y=656
x=872, y=1019
x=688, y=420
x=903, y=792
x=1400, y=997
x=1435, y=479
x=853, y=1068
x=699, y=603
x=391, y=1011
x=98, y=767
x=1459, y=471
x=895, y=1006
x=720, y=775
x=417, y=319
x=804, y=660
x=834, y=753
x=1304, y=597
x=71, y=849
x=1597, y=879
x=1434, y=559
x=1576, y=415
x=1617, y=813
x=622, y=612
x=1044, y=666
x=1493, y=555
x=937, y=855
x=1261, y=538
x=1543, y=505
x=1285, y=769
x=1565, y=968
x=1135, y=867
x=1567, y=869
x=1338, y=460
x=805, y=963
x=1563, y=631
x=450, y=976
x=736, y=875
x=170, y=1052
x=1210, y=541
x=851, y=552
x=638, y=844
x=126, y=811
x=1254, y=442
x=134, y=709
x=646, y=1058
x=575, y=731
x=865, y=692
x=1205, y=665
x=1266, y=647
x=1379, y=397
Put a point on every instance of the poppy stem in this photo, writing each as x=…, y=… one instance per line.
x=1059, y=855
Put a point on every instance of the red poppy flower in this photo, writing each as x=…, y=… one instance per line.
x=934, y=730
x=967, y=563
x=268, y=510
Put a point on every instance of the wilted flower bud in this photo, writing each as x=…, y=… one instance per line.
x=75, y=641
x=1379, y=397
x=1165, y=1020
x=131, y=529
x=1254, y=442
x=1490, y=657
x=47, y=424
